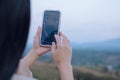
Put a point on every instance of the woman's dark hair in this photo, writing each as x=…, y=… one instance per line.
x=14, y=27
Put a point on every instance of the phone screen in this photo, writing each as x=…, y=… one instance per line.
x=50, y=27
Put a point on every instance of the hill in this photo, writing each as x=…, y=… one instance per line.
x=48, y=71
x=110, y=45
x=105, y=53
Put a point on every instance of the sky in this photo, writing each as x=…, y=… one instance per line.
x=82, y=21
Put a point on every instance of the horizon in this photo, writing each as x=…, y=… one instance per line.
x=114, y=39
x=91, y=20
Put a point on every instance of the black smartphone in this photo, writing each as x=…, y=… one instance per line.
x=50, y=27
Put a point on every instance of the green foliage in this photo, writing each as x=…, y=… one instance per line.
x=85, y=57
x=50, y=72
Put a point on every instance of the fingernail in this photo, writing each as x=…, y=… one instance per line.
x=52, y=43
x=55, y=35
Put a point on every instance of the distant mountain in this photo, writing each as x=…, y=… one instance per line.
x=90, y=54
x=105, y=45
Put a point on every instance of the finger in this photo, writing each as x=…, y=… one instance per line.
x=38, y=34
x=61, y=37
x=36, y=40
x=60, y=33
x=65, y=40
x=38, y=31
x=53, y=48
x=57, y=40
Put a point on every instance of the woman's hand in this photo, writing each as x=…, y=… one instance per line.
x=36, y=50
x=62, y=53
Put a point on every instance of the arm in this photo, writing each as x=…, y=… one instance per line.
x=32, y=56
x=62, y=54
x=36, y=50
x=66, y=72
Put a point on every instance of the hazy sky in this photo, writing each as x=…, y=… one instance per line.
x=81, y=20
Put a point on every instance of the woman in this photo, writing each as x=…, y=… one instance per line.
x=14, y=27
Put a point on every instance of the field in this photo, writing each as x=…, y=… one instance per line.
x=94, y=61
x=49, y=71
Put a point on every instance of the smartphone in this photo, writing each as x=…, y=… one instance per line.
x=50, y=27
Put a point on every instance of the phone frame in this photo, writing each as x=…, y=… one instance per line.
x=42, y=27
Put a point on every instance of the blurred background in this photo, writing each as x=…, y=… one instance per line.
x=93, y=27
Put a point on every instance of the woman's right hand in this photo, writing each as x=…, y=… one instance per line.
x=62, y=54
x=62, y=51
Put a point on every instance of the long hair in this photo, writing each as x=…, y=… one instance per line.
x=14, y=27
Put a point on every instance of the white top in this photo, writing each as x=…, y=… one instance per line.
x=23, y=72
x=21, y=77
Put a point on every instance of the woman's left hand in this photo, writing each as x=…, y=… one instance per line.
x=36, y=48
